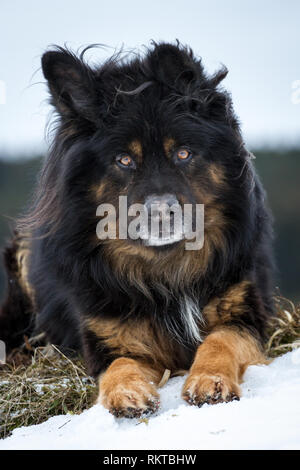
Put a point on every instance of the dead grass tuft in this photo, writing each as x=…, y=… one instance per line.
x=50, y=385
x=284, y=331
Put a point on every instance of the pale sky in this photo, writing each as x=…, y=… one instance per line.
x=258, y=40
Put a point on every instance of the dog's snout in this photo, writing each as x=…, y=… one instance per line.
x=160, y=202
x=162, y=208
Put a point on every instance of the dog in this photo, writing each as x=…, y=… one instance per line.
x=154, y=128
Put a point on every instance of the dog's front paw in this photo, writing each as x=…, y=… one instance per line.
x=205, y=388
x=130, y=399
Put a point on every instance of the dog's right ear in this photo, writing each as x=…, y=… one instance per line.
x=72, y=84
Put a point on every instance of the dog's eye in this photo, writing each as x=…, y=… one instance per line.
x=125, y=161
x=183, y=155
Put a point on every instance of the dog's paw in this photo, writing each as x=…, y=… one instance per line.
x=134, y=400
x=205, y=388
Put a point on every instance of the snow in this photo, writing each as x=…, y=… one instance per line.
x=266, y=417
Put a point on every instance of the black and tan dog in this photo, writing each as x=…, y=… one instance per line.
x=159, y=127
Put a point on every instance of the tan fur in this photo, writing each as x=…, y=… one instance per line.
x=217, y=174
x=22, y=257
x=169, y=145
x=128, y=388
x=214, y=228
x=215, y=224
x=139, y=265
x=135, y=147
x=98, y=190
x=141, y=340
x=222, y=309
x=105, y=192
x=219, y=365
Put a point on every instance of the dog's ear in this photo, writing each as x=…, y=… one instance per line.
x=218, y=77
x=72, y=84
x=173, y=65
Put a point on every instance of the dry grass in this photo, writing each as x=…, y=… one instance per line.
x=43, y=382
x=284, y=329
x=50, y=385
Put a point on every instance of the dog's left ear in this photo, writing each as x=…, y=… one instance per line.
x=173, y=65
x=72, y=84
x=218, y=77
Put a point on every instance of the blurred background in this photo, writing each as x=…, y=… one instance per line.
x=259, y=42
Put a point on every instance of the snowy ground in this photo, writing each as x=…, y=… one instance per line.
x=267, y=417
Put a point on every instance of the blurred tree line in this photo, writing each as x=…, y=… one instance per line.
x=278, y=169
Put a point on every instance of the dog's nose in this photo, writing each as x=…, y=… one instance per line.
x=164, y=218
x=161, y=203
x=158, y=207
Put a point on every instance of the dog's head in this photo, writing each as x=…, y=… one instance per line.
x=154, y=129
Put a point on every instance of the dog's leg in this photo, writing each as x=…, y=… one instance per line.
x=128, y=388
x=134, y=357
x=219, y=366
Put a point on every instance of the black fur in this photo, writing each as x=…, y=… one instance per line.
x=100, y=110
x=16, y=319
